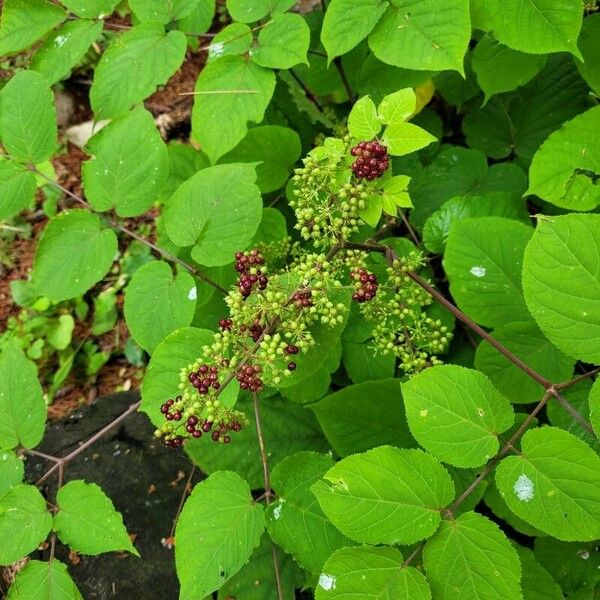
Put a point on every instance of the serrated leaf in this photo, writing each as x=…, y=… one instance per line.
x=28, y=118
x=89, y=9
x=483, y=262
x=221, y=513
x=242, y=455
x=235, y=38
x=398, y=107
x=47, y=580
x=430, y=35
x=498, y=506
x=362, y=364
x=11, y=471
x=17, y=186
x=353, y=425
x=22, y=409
x=363, y=122
x=554, y=484
x=128, y=167
x=377, y=573
x=501, y=69
x=230, y=92
x=456, y=414
x=561, y=285
x=348, y=22
x=156, y=57
x=294, y=519
x=535, y=26
x=404, y=138
x=275, y=148
x=157, y=303
x=217, y=211
x=590, y=51
x=248, y=11
x=64, y=49
x=162, y=11
x=594, y=403
x=536, y=583
x=26, y=21
x=74, y=252
x=386, y=495
x=566, y=168
x=24, y=520
x=283, y=43
x=176, y=351
x=528, y=343
x=87, y=520
x=471, y=558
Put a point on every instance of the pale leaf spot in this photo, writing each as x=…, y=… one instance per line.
x=524, y=488
x=327, y=582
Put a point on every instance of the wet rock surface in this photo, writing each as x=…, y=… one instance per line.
x=144, y=480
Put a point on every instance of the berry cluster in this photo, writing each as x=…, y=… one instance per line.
x=205, y=378
x=303, y=299
x=249, y=378
x=252, y=273
x=372, y=160
x=366, y=285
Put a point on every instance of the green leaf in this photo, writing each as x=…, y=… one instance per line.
x=386, y=495
x=456, y=414
x=594, y=403
x=221, y=514
x=248, y=11
x=17, y=186
x=566, y=168
x=490, y=128
x=11, y=471
x=535, y=26
x=395, y=192
x=47, y=580
x=294, y=520
x=217, y=211
x=89, y=9
x=347, y=22
x=236, y=38
x=22, y=409
x=129, y=165
x=460, y=171
x=483, y=262
x=561, y=285
x=363, y=364
x=528, y=343
x=156, y=57
x=374, y=573
x=363, y=122
x=74, y=252
x=28, y=118
x=87, y=520
x=471, y=558
x=277, y=148
x=492, y=204
x=353, y=425
x=242, y=455
x=590, y=51
x=554, y=484
x=64, y=49
x=230, y=92
x=431, y=35
x=256, y=580
x=498, y=506
x=157, y=303
x=536, y=583
x=398, y=107
x=502, y=69
x=60, y=332
x=162, y=11
x=162, y=377
x=26, y=21
x=24, y=521
x=272, y=227
x=404, y=138
x=283, y=43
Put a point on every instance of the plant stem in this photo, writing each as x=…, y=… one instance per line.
x=570, y=382
x=307, y=91
x=267, y=485
x=186, y=490
x=337, y=61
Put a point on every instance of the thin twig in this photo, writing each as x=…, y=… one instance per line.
x=267, y=485
x=134, y=235
x=572, y=412
x=186, y=490
x=200, y=92
x=307, y=91
x=567, y=384
x=337, y=61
